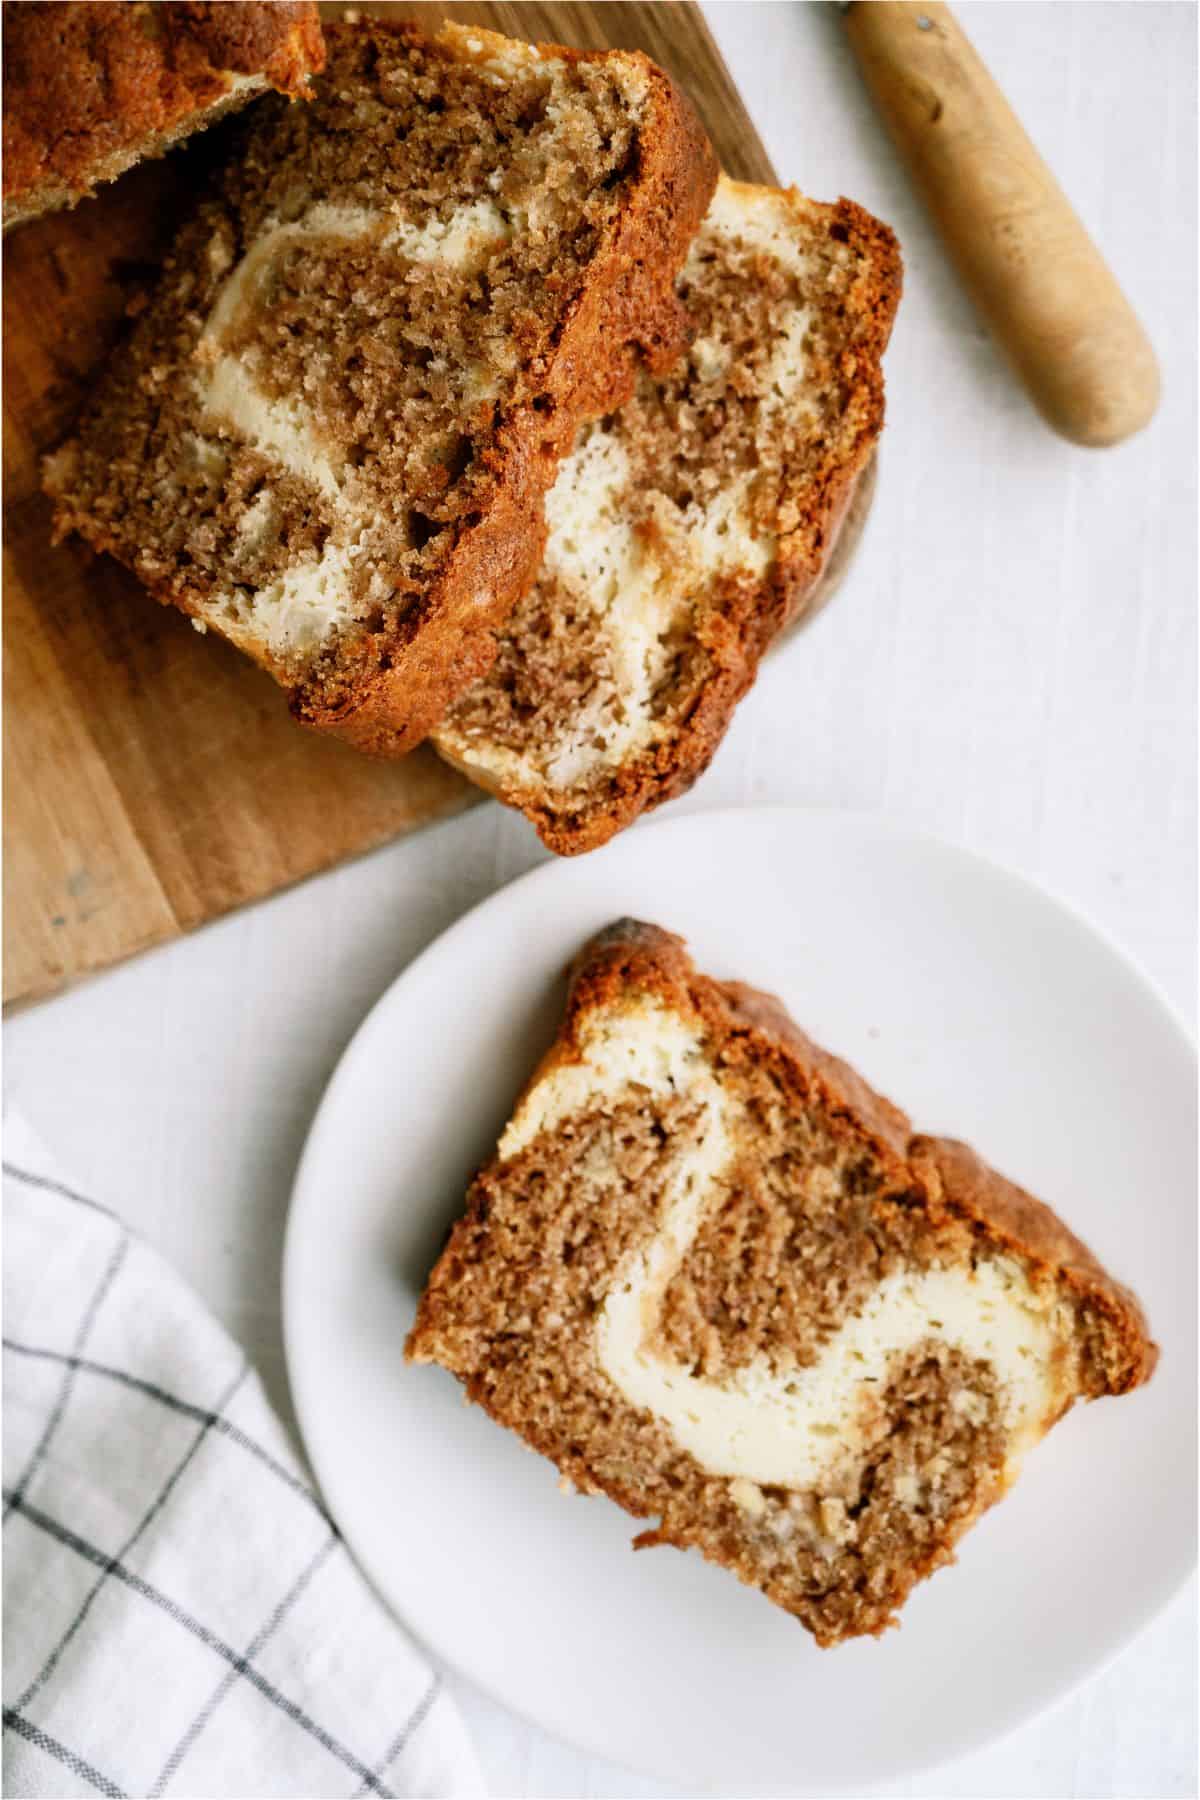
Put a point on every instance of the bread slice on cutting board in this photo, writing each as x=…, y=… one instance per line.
x=687, y=529
x=330, y=434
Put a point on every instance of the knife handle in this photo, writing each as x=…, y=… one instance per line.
x=1022, y=252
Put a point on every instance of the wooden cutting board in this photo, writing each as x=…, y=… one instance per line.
x=153, y=779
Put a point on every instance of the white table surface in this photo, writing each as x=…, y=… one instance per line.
x=1011, y=664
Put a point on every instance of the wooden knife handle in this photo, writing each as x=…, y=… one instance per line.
x=1021, y=250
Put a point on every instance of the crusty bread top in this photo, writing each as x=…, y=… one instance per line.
x=92, y=85
x=330, y=434
x=686, y=531
x=949, y=1177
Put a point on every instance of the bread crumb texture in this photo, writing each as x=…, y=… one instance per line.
x=711, y=1274
x=686, y=530
x=330, y=434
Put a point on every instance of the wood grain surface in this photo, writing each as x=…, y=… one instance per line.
x=153, y=779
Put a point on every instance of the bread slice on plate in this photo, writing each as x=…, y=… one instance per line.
x=687, y=530
x=92, y=87
x=330, y=435
x=711, y=1274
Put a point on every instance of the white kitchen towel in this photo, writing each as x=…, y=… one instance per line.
x=180, y=1614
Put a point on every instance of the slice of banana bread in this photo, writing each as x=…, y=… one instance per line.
x=91, y=86
x=689, y=529
x=330, y=436
x=713, y=1275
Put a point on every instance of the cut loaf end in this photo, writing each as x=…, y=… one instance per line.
x=92, y=87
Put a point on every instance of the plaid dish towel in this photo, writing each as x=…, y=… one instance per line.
x=180, y=1614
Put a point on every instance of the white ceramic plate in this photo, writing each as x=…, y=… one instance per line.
x=985, y=1009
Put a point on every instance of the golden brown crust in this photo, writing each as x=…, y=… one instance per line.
x=92, y=86
x=626, y=313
